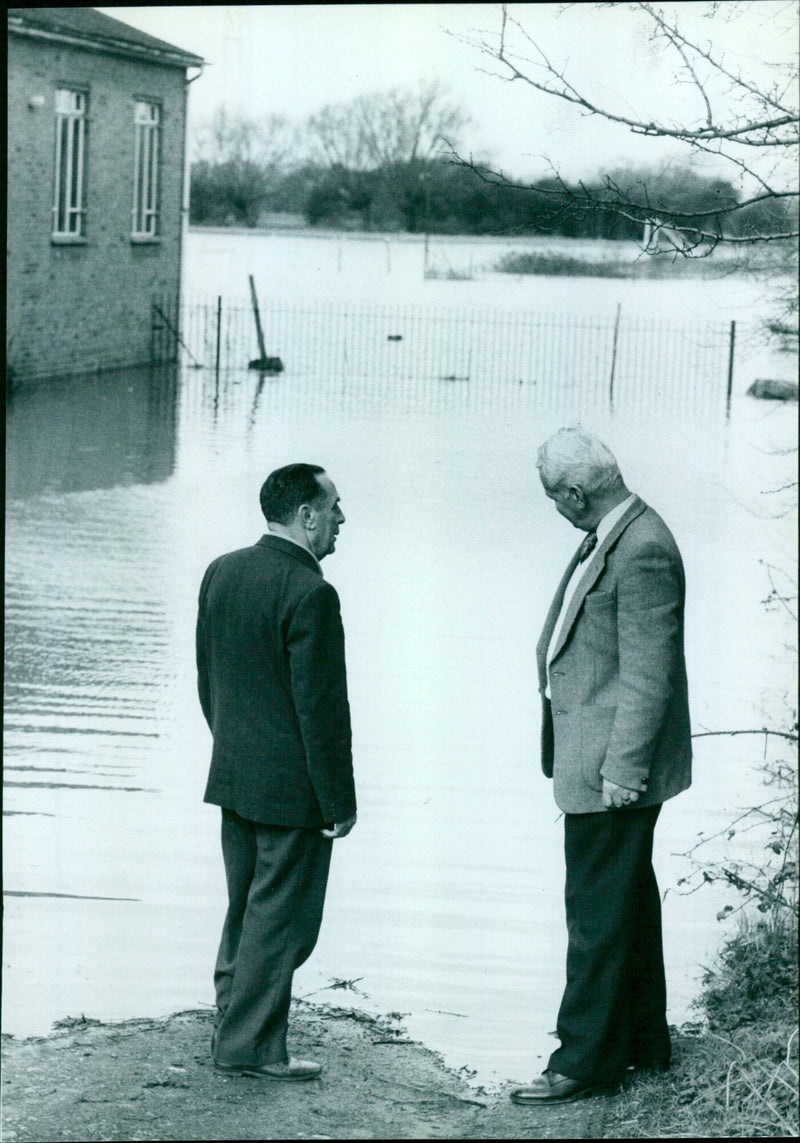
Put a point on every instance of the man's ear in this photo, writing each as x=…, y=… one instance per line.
x=576, y=495
x=307, y=516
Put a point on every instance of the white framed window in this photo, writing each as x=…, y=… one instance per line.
x=69, y=213
x=147, y=123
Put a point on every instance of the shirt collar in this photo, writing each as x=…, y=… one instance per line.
x=297, y=544
x=612, y=517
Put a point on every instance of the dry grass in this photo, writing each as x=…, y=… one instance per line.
x=718, y=1088
x=739, y=1077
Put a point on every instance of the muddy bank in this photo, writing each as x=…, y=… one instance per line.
x=153, y=1079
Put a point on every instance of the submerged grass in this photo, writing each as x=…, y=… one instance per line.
x=559, y=265
x=664, y=265
x=735, y=1076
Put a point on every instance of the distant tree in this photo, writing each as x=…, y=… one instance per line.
x=269, y=141
x=340, y=195
x=680, y=200
x=239, y=166
x=402, y=125
x=397, y=134
x=335, y=138
x=296, y=187
x=222, y=194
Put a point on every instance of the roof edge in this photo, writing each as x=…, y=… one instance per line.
x=108, y=44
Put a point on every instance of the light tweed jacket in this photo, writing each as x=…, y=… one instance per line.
x=619, y=706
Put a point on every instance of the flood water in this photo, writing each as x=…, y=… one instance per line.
x=445, y=903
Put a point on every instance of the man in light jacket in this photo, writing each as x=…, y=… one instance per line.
x=616, y=741
x=272, y=686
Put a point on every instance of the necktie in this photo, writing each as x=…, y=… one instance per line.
x=587, y=547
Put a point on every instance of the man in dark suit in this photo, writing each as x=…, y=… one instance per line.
x=271, y=679
x=616, y=741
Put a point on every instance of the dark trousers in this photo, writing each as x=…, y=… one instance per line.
x=613, y=1012
x=276, y=878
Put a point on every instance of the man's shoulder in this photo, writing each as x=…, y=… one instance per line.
x=268, y=576
x=275, y=566
x=279, y=549
x=648, y=528
x=234, y=559
x=235, y=556
x=271, y=551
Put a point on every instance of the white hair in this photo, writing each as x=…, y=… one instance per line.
x=572, y=456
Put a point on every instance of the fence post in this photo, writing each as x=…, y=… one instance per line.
x=219, y=324
x=731, y=347
x=152, y=332
x=614, y=359
x=174, y=311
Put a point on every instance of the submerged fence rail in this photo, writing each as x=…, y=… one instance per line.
x=618, y=360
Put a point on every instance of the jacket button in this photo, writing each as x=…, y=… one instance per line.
x=561, y=712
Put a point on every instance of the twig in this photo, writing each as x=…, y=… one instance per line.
x=791, y=736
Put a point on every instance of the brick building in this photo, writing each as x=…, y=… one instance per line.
x=95, y=190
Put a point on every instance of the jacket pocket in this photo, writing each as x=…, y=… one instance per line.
x=596, y=600
x=599, y=628
x=596, y=726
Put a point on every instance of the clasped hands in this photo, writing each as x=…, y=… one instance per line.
x=616, y=797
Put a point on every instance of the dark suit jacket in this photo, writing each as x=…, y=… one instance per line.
x=619, y=706
x=272, y=685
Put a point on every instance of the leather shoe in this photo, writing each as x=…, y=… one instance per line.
x=291, y=1069
x=551, y=1087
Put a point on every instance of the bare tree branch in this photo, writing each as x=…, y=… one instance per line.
x=791, y=736
x=755, y=133
x=717, y=64
x=749, y=124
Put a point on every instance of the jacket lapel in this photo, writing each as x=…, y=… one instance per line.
x=592, y=574
x=552, y=619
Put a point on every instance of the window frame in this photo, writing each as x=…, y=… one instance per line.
x=69, y=171
x=146, y=217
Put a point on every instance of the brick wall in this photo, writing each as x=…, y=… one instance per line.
x=87, y=306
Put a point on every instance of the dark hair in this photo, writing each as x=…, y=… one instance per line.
x=286, y=489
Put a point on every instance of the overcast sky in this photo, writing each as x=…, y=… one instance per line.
x=293, y=59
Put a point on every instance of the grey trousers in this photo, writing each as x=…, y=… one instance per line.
x=276, y=878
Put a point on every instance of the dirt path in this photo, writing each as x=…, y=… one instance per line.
x=153, y=1079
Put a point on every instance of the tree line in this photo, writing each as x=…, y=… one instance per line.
x=389, y=161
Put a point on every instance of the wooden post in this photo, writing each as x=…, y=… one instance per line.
x=259, y=330
x=614, y=359
x=731, y=347
x=152, y=332
x=219, y=324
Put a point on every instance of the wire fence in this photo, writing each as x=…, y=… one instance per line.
x=618, y=361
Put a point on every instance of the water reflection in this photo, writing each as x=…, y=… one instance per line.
x=102, y=430
x=85, y=633
x=66, y=896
